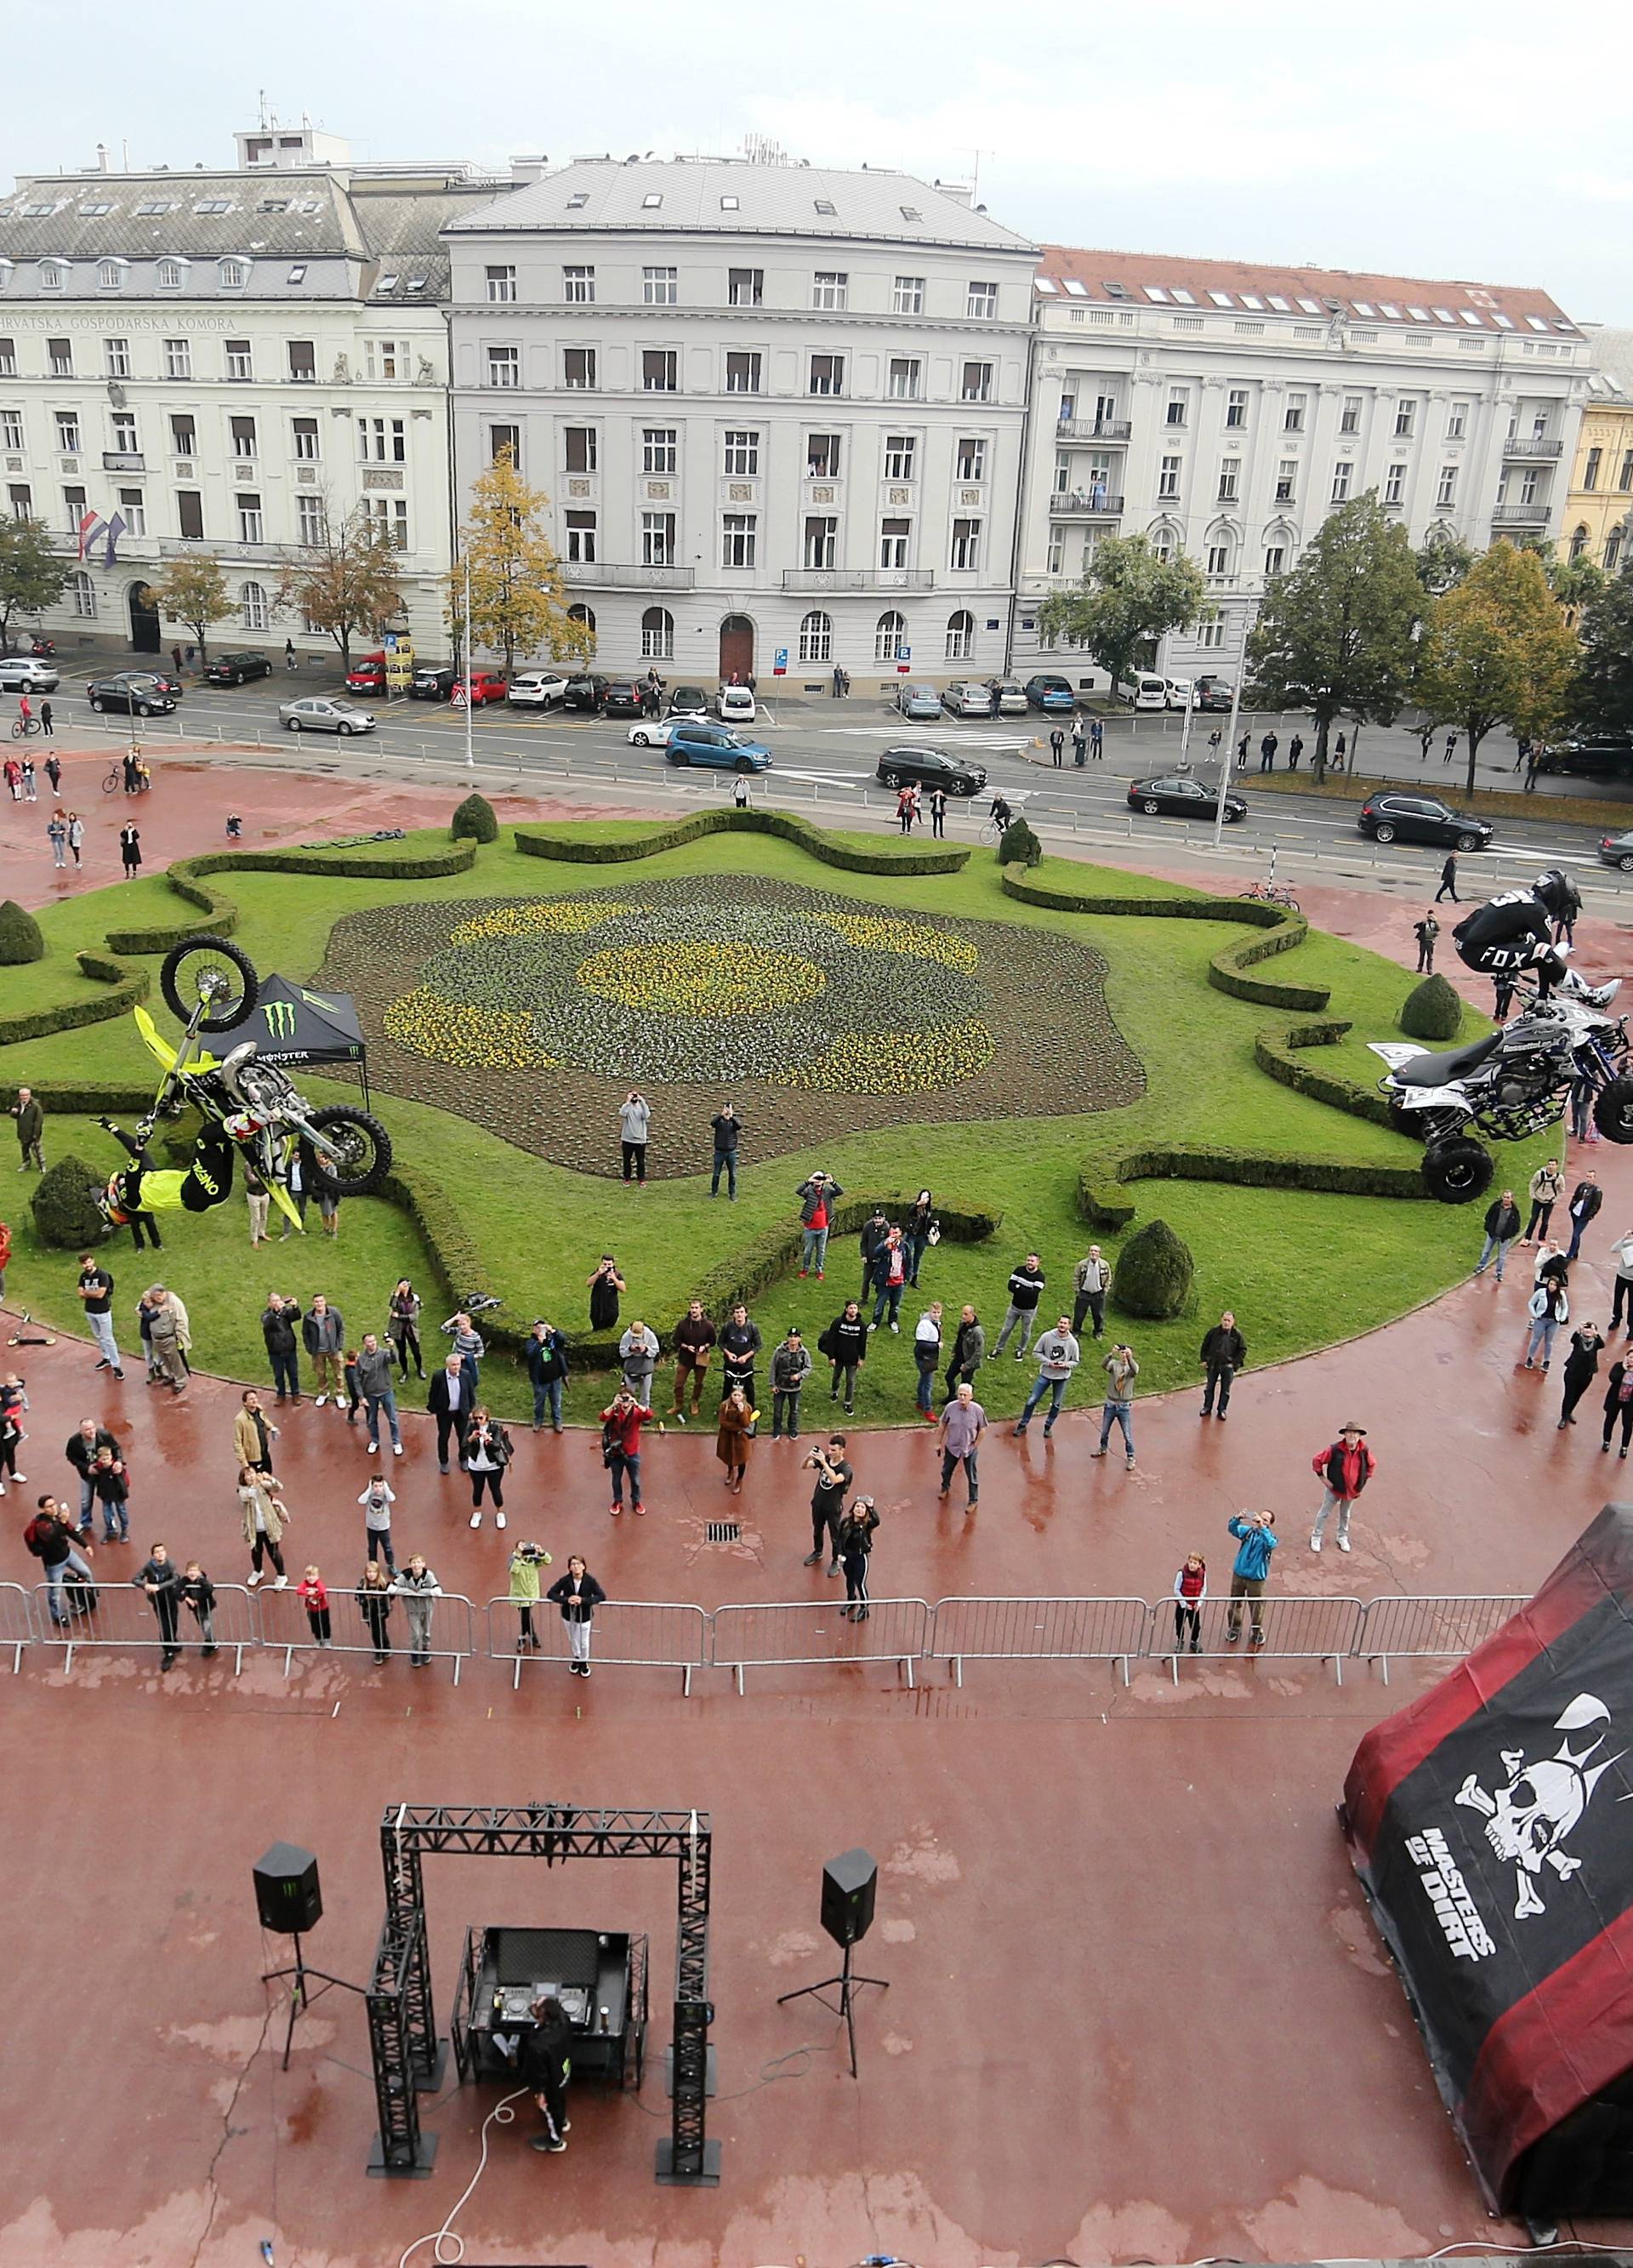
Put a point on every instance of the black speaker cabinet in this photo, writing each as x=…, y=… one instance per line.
x=287, y=1895
x=848, y=1883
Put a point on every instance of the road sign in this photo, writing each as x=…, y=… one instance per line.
x=779, y=667
x=456, y=699
x=904, y=657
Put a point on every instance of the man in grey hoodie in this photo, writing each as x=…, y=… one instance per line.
x=1058, y=1355
x=375, y=1366
x=635, y=1119
x=637, y=1353
x=790, y=1367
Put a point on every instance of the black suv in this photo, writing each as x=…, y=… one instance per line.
x=237, y=668
x=1592, y=756
x=587, y=691
x=133, y=692
x=930, y=768
x=432, y=684
x=623, y=696
x=1421, y=818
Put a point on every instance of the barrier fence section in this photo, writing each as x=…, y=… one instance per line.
x=1039, y=1630
x=285, y=1626
x=1423, y=1628
x=123, y=1617
x=794, y=1631
x=17, y=1628
x=637, y=1634
x=1292, y=1629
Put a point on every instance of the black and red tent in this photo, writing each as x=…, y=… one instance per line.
x=1487, y=1825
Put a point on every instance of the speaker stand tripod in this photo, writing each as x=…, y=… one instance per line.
x=299, y=1996
x=849, y=1986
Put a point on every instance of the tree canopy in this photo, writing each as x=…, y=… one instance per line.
x=1498, y=651
x=194, y=590
x=347, y=581
x=517, y=604
x=1604, y=689
x=31, y=574
x=1127, y=596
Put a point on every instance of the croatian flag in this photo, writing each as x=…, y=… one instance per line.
x=88, y=526
x=115, y=529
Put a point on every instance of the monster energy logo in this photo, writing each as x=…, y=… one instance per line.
x=280, y=1019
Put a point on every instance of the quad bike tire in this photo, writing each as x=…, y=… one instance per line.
x=240, y=999
x=1613, y=1110
x=362, y=1135
x=1458, y=1170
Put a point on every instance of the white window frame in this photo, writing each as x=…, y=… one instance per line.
x=660, y=448
x=239, y=357
x=254, y=607
x=583, y=528
x=501, y=281
x=311, y=521
x=964, y=546
x=660, y=287
x=816, y=638
x=504, y=369
x=830, y=291
x=961, y=636
x=819, y=539
x=68, y=437
x=981, y=303
x=889, y=635
x=895, y=542
x=178, y=358
x=579, y=287
x=739, y=539
x=740, y=453
x=905, y=379
x=906, y=297
x=901, y=456
x=981, y=389
x=969, y=460
x=84, y=597
x=657, y=539
x=252, y=518
x=656, y=635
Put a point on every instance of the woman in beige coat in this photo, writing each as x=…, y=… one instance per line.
x=265, y=1516
x=254, y=1433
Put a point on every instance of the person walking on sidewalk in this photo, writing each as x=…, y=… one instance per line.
x=1091, y=1280
x=790, y=1367
x=1501, y=1226
x=1547, y=1186
x=963, y=1422
x=1256, y=1539
x=1120, y=1370
x=1586, y=1200
x=1448, y=880
x=834, y=1477
x=857, y=1530
x=1344, y=1468
x=1026, y=1289
x=578, y=1595
x=1581, y=1369
x=1223, y=1352
x=1426, y=932
x=1058, y=1355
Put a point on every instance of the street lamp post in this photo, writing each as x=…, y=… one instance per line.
x=470, y=750
x=1230, y=737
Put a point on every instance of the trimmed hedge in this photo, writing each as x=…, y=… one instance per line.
x=125, y=988
x=68, y=1098
x=64, y=1205
x=1153, y=1274
x=560, y=842
x=1431, y=1011
x=1277, y=1054
x=1102, y=1201
x=21, y=938
x=186, y=878
x=475, y=820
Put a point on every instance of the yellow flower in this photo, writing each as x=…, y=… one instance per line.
x=468, y=1039
x=700, y=980
x=885, y=933
x=894, y=1063
x=552, y=917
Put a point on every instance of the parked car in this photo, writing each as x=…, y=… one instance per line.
x=432, y=684
x=653, y=731
x=313, y=713
x=1421, y=818
x=237, y=668
x=1143, y=690
x=485, y=686
x=1050, y=692
x=688, y=701
x=1617, y=850
x=734, y=704
x=537, y=688
x=1592, y=756
x=134, y=691
x=1180, y=692
x=586, y=691
x=367, y=673
x=1176, y=795
x=1214, y=694
x=918, y=703
x=930, y=768
x=697, y=740
x=968, y=699
x=1006, y=698
x=625, y=696
x=26, y=672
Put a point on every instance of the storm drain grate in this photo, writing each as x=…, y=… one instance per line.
x=722, y=1531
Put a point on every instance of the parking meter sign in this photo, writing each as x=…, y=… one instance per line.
x=779, y=667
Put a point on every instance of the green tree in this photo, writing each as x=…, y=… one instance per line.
x=194, y=590
x=1442, y=559
x=32, y=575
x=1574, y=583
x=1497, y=651
x=1127, y=597
x=1338, y=635
x=346, y=582
x=517, y=604
x=1604, y=695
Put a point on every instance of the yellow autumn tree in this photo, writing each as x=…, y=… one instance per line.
x=517, y=604
x=1497, y=651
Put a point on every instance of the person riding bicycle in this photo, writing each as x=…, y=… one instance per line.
x=1000, y=814
x=1515, y=930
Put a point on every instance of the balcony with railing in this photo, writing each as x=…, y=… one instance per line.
x=1537, y=513
x=609, y=576
x=183, y=547
x=858, y=579
x=1092, y=429
x=1516, y=446
x=1084, y=503
x=123, y=460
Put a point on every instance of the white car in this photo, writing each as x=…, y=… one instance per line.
x=1180, y=692
x=734, y=704
x=967, y=700
x=320, y=715
x=537, y=688
x=653, y=731
x=27, y=673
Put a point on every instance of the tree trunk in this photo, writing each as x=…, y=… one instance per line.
x=1318, y=765
x=1475, y=736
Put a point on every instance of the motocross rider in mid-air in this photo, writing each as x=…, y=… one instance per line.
x=206, y=1181
x=1514, y=932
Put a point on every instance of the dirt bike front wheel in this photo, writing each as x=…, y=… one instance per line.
x=1458, y=1170
x=359, y=1151
x=211, y=969
x=1612, y=1111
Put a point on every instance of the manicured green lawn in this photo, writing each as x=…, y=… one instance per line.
x=1300, y=1269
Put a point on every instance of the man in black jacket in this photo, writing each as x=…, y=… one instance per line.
x=450, y=1400
x=727, y=1128
x=81, y=1452
x=1223, y=1352
x=280, y=1320
x=834, y=1477
x=1026, y=1289
x=1586, y=1200
x=1448, y=880
x=161, y=1578
x=1502, y=1228
x=1426, y=932
x=546, y=1357
x=875, y=1229
x=546, y=2066
x=49, y=1538
x=739, y=1344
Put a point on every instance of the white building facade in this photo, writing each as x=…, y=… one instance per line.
x=1224, y=410
x=778, y=412
x=221, y=361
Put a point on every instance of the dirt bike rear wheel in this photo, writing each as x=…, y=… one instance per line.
x=1457, y=1170
x=1612, y=1111
x=364, y=1148
x=215, y=962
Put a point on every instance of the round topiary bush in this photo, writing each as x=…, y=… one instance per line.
x=19, y=934
x=1152, y=1276
x=64, y=1202
x=1019, y=847
x=1433, y=1011
x=475, y=820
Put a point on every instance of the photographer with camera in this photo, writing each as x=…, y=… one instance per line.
x=834, y=1477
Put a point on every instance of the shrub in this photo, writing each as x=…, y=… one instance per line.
x=64, y=1202
x=1019, y=847
x=832, y=849
x=20, y=937
x=1278, y=1054
x=1433, y=1011
x=474, y=821
x=1153, y=1274
x=1103, y=1201
x=124, y=989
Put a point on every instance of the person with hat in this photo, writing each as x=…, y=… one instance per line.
x=1345, y=1467
x=790, y=1367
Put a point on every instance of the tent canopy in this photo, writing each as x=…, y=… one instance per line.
x=292, y=1025
x=1486, y=1824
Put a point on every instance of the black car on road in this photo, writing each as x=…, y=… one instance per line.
x=1397, y=816
x=131, y=691
x=1595, y=755
x=929, y=768
x=237, y=668
x=1174, y=794
x=586, y=691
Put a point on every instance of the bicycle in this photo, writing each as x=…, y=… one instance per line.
x=1271, y=893
x=114, y=781
x=25, y=727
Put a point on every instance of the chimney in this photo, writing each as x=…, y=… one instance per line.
x=101, y=157
x=960, y=192
x=529, y=169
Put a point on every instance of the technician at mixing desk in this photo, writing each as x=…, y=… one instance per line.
x=547, y=2067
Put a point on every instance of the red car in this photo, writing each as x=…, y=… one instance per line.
x=486, y=685
x=367, y=675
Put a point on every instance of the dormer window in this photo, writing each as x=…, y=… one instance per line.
x=232, y=274
x=5, y=275
x=51, y=276
x=170, y=275
x=110, y=275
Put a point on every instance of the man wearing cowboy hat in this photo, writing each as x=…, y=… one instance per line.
x=1345, y=1467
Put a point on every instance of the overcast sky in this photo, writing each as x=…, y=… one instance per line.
x=1464, y=142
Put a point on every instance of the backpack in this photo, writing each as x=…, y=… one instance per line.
x=825, y=1345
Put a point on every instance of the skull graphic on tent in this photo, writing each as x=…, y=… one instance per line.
x=1539, y=1805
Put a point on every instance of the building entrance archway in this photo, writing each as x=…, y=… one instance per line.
x=144, y=625
x=737, y=648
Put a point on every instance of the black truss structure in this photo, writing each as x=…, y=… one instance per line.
x=403, y=2023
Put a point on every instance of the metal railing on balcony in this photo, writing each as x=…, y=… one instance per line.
x=1092, y=429
x=182, y=546
x=858, y=578
x=123, y=460
x=1085, y=504
x=1535, y=514
x=610, y=578
x=1514, y=447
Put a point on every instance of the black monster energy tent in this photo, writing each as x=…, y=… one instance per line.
x=290, y=1025
x=1486, y=1825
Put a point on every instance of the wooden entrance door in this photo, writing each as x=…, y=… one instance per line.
x=737, y=648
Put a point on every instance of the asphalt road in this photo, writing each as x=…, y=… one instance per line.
x=827, y=753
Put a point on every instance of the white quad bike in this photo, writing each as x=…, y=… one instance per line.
x=1510, y=1085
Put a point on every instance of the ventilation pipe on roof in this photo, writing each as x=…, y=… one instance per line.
x=529, y=169
x=960, y=192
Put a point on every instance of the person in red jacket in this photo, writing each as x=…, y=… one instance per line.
x=621, y=1446
x=1345, y=1467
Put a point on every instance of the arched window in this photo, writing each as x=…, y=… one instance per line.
x=584, y=615
x=816, y=636
x=231, y=274
x=960, y=635
x=50, y=276
x=1613, y=551
x=1165, y=540
x=168, y=274
x=110, y=274
x=656, y=634
x=257, y=613
x=84, y=597
x=889, y=637
x=1578, y=542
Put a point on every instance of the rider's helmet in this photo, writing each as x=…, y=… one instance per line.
x=243, y=1125
x=1558, y=892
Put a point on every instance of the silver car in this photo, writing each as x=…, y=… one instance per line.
x=922, y=703
x=27, y=673
x=317, y=715
x=967, y=700
x=1007, y=699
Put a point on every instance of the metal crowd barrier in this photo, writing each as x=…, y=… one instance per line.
x=1039, y=1630
x=629, y=1633
x=17, y=1629
x=283, y=1625
x=1295, y=1629
x=123, y=1619
x=1423, y=1628
x=796, y=1631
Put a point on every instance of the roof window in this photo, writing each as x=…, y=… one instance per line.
x=652, y=200
x=826, y=205
x=1366, y=307
x=1536, y=322
x=1045, y=284
x=1221, y=299
x=1310, y=306
x=1155, y=292
x=1186, y=298
x=416, y=284
x=730, y=204
x=1389, y=308
x=1249, y=299
x=1282, y=306
x=579, y=197
x=1475, y=322
x=1418, y=314
x=1075, y=289
x=388, y=282
x=297, y=274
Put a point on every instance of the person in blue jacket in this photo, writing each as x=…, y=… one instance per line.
x=1255, y=1532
